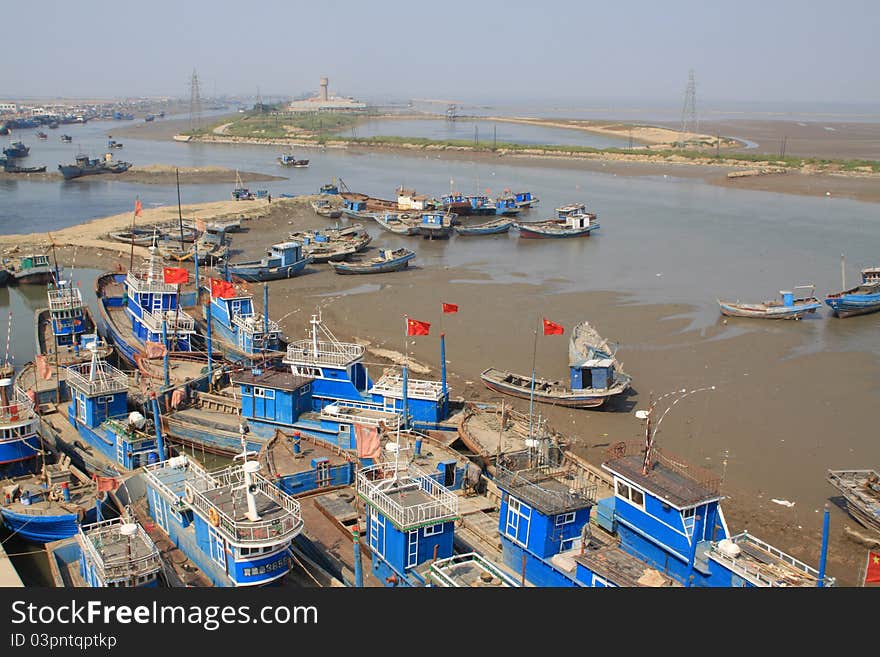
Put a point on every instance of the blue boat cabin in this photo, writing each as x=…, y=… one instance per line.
x=410, y=522
x=235, y=322
x=67, y=314
x=234, y=524
x=272, y=398
x=592, y=374
x=115, y=553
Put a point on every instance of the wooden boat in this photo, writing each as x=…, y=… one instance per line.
x=433, y=225
x=525, y=200
x=9, y=167
x=216, y=226
x=362, y=206
x=571, y=221
x=66, y=139
x=861, y=490
x=506, y=206
x=17, y=149
x=332, y=244
x=209, y=252
x=323, y=208
x=386, y=261
x=145, y=236
x=488, y=228
x=595, y=375
x=859, y=300
x=42, y=135
x=283, y=260
x=29, y=269
x=787, y=307
x=287, y=160
x=397, y=223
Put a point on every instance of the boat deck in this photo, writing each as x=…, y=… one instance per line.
x=764, y=565
x=81, y=497
x=279, y=459
x=482, y=431
x=608, y=560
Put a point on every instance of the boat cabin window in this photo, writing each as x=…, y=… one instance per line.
x=622, y=490
x=266, y=393
x=631, y=494
x=433, y=530
x=565, y=518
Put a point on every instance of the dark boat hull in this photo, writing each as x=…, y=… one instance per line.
x=520, y=386
x=539, y=233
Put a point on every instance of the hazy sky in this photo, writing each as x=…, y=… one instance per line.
x=773, y=50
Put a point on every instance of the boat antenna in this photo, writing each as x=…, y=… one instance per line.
x=532, y=391
x=55, y=259
x=8, y=336
x=131, y=253
x=179, y=213
x=843, y=271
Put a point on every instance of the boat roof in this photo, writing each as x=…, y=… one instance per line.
x=604, y=556
x=552, y=489
x=271, y=379
x=680, y=485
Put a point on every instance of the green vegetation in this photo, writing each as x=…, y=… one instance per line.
x=280, y=125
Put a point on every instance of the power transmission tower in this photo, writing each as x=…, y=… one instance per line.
x=689, y=122
x=195, y=103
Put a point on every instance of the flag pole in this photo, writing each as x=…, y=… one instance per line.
x=131, y=254
x=532, y=393
x=864, y=575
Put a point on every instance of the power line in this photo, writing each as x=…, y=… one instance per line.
x=689, y=121
x=195, y=103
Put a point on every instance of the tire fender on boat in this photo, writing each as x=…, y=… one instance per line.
x=213, y=517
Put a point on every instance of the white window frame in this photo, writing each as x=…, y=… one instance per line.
x=432, y=530
x=265, y=393
x=376, y=522
x=565, y=518
x=218, y=551
x=412, y=548
x=620, y=486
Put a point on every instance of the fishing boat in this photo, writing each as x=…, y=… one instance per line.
x=481, y=204
x=397, y=223
x=860, y=300
x=9, y=167
x=408, y=200
x=495, y=227
x=457, y=203
x=149, y=118
x=42, y=135
x=31, y=269
x=571, y=221
x=240, y=192
x=112, y=143
x=329, y=189
x=244, y=335
x=387, y=261
x=85, y=166
x=216, y=226
x=433, y=225
x=525, y=200
x=16, y=149
x=861, y=490
x=595, y=375
x=117, y=553
x=53, y=125
x=19, y=424
x=283, y=260
x=287, y=160
x=324, y=208
x=67, y=139
x=786, y=307
x=248, y=523
x=362, y=206
x=50, y=505
x=506, y=206
x=332, y=244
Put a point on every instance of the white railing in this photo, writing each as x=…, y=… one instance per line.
x=785, y=570
x=443, y=570
x=337, y=354
x=66, y=298
x=18, y=407
x=141, y=282
x=392, y=384
x=347, y=412
x=105, y=379
x=142, y=560
x=254, y=324
x=175, y=321
x=271, y=530
x=376, y=485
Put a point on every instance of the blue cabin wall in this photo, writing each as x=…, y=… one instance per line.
x=100, y=408
x=423, y=412
x=396, y=553
x=542, y=535
x=340, y=383
x=306, y=481
x=537, y=571
x=274, y=405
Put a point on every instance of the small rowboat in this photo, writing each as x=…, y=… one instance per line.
x=489, y=228
x=788, y=307
x=386, y=261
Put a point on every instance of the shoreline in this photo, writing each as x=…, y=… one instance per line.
x=158, y=174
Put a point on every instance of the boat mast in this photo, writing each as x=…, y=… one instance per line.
x=532, y=392
x=843, y=272
x=179, y=213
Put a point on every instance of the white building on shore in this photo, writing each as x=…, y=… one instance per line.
x=323, y=101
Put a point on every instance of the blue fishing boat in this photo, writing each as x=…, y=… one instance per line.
x=388, y=260
x=329, y=189
x=859, y=300
x=114, y=553
x=67, y=139
x=234, y=524
x=149, y=118
x=19, y=426
x=244, y=335
x=288, y=160
x=525, y=200
x=595, y=376
x=456, y=202
x=571, y=221
x=112, y=143
x=324, y=208
x=50, y=505
x=85, y=166
x=506, y=206
x=362, y=206
x=480, y=204
x=788, y=307
x=494, y=227
x=397, y=223
x=16, y=149
x=29, y=269
x=283, y=260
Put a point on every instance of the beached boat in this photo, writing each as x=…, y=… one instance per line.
x=387, y=261
x=67, y=139
x=19, y=424
x=9, y=167
x=787, y=307
x=240, y=192
x=861, y=490
x=433, y=225
x=50, y=505
x=208, y=253
x=31, y=269
x=329, y=189
x=571, y=221
x=85, y=166
x=283, y=260
x=525, y=200
x=595, y=375
x=335, y=249
x=287, y=160
x=16, y=149
x=494, y=227
x=112, y=143
x=244, y=335
x=324, y=208
x=397, y=223
x=408, y=200
x=216, y=225
x=457, y=203
x=138, y=236
x=362, y=206
x=506, y=206
x=859, y=300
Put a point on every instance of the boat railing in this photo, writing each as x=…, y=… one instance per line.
x=18, y=408
x=347, y=412
x=66, y=298
x=388, y=488
x=338, y=354
x=780, y=569
x=392, y=384
x=176, y=321
x=134, y=438
x=705, y=478
x=254, y=324
x=146, y=281
x=133, y=561
x=442, y=570
x=275, y=529
x=540, y=484
x=96, y=378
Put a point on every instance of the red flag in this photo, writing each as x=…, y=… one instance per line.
x=450, y=308
x=137, y=208
x=872, y=572
x=367, y=439
x=222, y=289
x=154, y=349
x=415, y=327
x=552, y=328
x=176, y=275
x=106, y=483
x=43, y=368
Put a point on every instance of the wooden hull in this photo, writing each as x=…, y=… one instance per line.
x=764, y=311
x=537, y=232
x=862, y=502
x=257, y=273
x=397, y=229
x=546, y=392
x=489, y=228
x=396, y=264
x=850, y=305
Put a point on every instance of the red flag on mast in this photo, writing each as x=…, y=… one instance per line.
x=415, y=327
x=175, y=275
x=872, y=572
x=552, y=328
x=450, y=308
x=222, y=289
x=137, y=207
